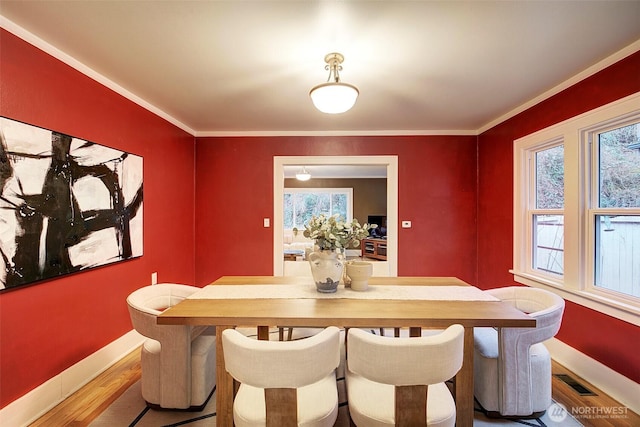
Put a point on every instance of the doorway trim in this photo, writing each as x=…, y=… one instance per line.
x=391, y=163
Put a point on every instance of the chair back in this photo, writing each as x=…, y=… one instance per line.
x=406, y=361
x=281, y=364
x=546, y=307
x=408, y=364
x=146, y=303
x=281, y=367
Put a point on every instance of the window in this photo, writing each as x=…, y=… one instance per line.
x=547, y=216
x=615, y=200
x=577, y=209
x=300, y=204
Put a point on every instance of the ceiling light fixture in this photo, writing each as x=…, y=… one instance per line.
x=303, y=175
x=334, y=97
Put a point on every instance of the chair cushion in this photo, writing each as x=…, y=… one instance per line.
x=371, y=404
x=485, y=341
x=317, y=404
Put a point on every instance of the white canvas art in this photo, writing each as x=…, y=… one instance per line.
x=66, y=204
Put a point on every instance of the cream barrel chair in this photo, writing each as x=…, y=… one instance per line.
x=284, y=383
x=512, y=368
x=400, y=381
x=178, y=361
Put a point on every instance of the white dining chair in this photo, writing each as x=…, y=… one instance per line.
x=512, y=367
x=401, y=381
x=284, y=383
x=178, y=361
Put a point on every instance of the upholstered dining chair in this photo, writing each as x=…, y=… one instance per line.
x=512, y=367
x=178, y=361
x=284, y=383
x=400, y=381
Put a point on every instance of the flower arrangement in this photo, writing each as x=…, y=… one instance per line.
x=331, y=232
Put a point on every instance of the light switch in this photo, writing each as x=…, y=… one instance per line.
x=406, y=224
x=267, y=223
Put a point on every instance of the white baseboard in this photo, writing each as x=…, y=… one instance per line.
x=606, y=379
x=43, y=398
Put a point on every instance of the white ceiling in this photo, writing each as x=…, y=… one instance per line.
x=338, y=171
x=246, y=67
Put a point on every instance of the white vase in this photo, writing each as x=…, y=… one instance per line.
x=359, y=273
x=326, y=270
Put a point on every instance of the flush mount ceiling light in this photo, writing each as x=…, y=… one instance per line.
x=303, y=175
x=334, y=97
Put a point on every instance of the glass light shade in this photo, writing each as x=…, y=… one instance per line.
x=303, y=176
x=334, y=97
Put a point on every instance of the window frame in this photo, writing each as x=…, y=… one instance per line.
x=589, y=136
x=346, y=190
x=581, y=187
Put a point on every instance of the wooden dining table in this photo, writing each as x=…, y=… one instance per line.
x=415, y=314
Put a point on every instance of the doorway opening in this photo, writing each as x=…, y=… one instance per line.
x=388, y=162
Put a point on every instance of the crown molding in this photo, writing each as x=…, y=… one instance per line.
x=89, y=72
x=610, y=60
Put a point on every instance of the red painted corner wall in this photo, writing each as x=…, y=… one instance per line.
x=437, y=192
x=597, y=335
x=47, y=327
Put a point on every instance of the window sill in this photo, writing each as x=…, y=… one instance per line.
x=600, y=303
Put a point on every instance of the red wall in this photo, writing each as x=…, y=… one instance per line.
x=599, y=336
x=47, y=327
x=437, y=192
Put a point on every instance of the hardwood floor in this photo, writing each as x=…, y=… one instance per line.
x=85, y=405
x=598, y=410
x=81, y=408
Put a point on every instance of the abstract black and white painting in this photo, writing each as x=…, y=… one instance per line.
x=66, y=204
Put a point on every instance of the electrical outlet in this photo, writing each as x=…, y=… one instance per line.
x=154, y=278
x=266, y=222
x=406, y=224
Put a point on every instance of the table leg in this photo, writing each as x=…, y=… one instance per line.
x=224, y=385
x=263, y=333
x=464, y=383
